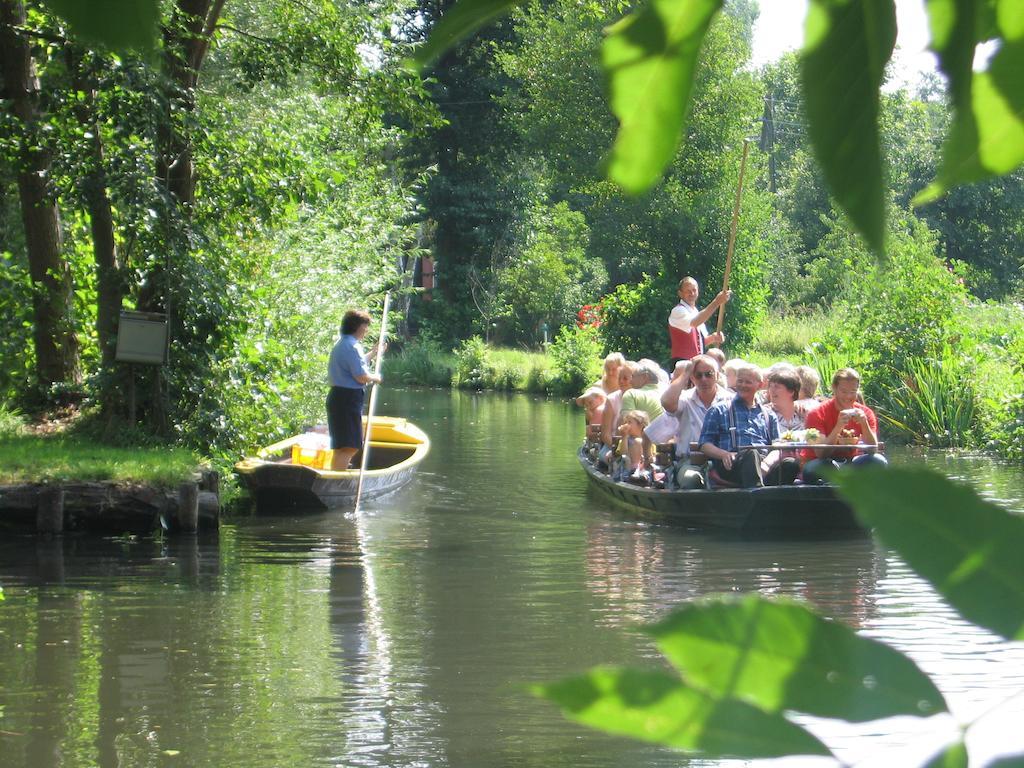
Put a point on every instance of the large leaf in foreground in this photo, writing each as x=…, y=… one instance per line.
x=987, y=135
x=953, y=756
x=846, y=47
x=462, y=20
x=650, y=58
x=1011, y=761
x=655, y=707
x=120, y=25
x=968, y=548
x=780, y=655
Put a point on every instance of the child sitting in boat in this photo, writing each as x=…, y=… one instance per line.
x=593, y=402
x=635, y=446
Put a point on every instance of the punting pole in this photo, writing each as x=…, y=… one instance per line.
x=368, y=429
x=732, y=231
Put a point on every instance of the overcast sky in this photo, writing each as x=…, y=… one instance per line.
x=781, y=28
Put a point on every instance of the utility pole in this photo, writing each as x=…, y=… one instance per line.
x=768, y=139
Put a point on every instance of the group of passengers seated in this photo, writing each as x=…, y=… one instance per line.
x=720, y=424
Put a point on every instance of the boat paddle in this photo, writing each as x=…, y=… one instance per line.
x=368, y=429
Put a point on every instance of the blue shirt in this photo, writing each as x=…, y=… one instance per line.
x=347, y=361
x=754, y=426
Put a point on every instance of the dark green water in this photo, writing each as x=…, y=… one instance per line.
x=403, y=638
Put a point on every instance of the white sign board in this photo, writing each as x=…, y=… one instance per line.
x=142, y=338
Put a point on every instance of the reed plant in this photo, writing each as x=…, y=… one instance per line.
x=935, y=404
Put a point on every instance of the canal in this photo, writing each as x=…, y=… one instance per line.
x=405, y=637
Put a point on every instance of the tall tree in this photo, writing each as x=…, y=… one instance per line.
x=472, y=196
x=109, y=283
x=54, y=336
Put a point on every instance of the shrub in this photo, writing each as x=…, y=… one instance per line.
x=899, y=311
x=473, y=366
x=635, y=318
x=576, y=355
x=1008, y=436
x=422, y=363
x=539, y=379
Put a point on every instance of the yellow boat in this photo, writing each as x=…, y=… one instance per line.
x=296, y=472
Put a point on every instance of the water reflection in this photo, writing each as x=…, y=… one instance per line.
x=643, y=571
x=403, y=638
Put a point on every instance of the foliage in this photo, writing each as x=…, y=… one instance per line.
x=760, y=660
x=552, y=277
x=16, y=349
x=421, y=362
x=935, y=403
x=986, y=138
x=636, y=318
x=12, y=423
x=576, y=358
x=1008, y=435
x=785, y=336
x=904, y=309
x=473, y=365
x=842, y=67
x=650, y=58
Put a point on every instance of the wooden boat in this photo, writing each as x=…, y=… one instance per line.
x=787, y=509
x=295, y=472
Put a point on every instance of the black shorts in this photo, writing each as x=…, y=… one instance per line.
x=345, y=417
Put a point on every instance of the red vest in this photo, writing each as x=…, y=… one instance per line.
x=685, y=344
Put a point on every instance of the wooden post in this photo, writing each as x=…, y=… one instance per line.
x=368, y=432
x=210, y=481
x=50, y=510
x=732, y=231
x=188, y=507
x=131, y=394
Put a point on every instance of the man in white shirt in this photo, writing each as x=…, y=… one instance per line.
x=690, y=406
x=686, y=324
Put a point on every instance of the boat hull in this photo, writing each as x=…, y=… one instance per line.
x=278, y=484
x=789, y=509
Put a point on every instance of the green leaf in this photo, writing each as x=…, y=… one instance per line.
x=780, y=655
x=1011, y=761
x=650, y=58
x=987, y=135
x=462, y=20
x=953, y=756
x=956, y=27
x=846, y=47
x=653, y=706
x=121, y=25
x=968, y=548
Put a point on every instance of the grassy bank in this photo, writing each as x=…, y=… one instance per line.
x=28, y=457
x=478, y=366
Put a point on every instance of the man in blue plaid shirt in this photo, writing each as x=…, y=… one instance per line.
x=728, y=426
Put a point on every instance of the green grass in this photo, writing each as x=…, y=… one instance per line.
x=784, y=337
x=28, y=458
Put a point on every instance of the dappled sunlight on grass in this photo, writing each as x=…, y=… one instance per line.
x=29, y=458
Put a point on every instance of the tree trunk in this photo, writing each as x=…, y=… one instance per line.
x=55, y=342
x=186, y=42
x=109, y=285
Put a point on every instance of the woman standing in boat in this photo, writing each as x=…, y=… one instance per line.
x=349, y=373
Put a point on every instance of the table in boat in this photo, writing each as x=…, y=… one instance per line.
x=784, y=446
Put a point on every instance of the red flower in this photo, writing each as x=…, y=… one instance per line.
x=589, y=315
